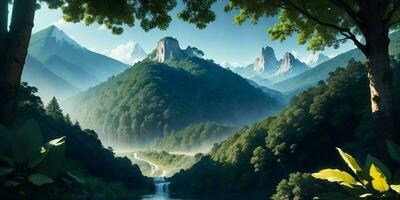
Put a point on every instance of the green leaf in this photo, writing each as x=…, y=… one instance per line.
x=40, y=179
x=7, y=160
x=394, y=150
x=372, y=160
x=5, y=170
x=11, y=183
x=335, y=175
x=396, y=177
x=395, y=188
x=379, y=182
x=351, y=162
x=53, y=164
x=76, y=178
x=27, y=142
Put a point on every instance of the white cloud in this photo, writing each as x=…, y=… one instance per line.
x=59, y=23
x=124, y=53
x=102, y=27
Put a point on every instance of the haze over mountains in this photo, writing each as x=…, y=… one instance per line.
x=266, y=69
x=168, y=91
x=70, y=68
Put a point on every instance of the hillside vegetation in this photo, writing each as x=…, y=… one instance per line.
x=301, y=138
x=152, y=100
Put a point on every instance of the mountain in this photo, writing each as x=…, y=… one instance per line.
x=50, y=84
x=267, y=70
x=316, y=60
x=267, y=61
x=281, y=98
x=316, y=74
x=165, y=93
x=69, y=60
x=321, y=72
x=289, y=67
x=138, y=54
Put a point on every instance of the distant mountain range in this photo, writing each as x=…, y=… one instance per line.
x=75, y=67
x=168, y=91
x=320, y=58
x=321, y=72
x=267, y=70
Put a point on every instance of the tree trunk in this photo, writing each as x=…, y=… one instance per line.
x=381, y=87
x=15, y=51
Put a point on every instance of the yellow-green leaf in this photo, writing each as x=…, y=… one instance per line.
x=58, y=141
x=40, y=179
x=351, y=162
x=379, y=182
x=395, y=188
x=335, y=175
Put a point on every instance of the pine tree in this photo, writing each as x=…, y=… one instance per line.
x=76, y=124
x=53, y=109
x=67, y=119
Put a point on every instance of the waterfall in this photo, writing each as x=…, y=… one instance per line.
x=162, y=192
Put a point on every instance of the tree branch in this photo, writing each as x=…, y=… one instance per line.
x=396, y=7
x=348, y=9
x=343, y=31
x=393, y=23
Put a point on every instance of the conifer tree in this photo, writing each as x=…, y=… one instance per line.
x=53, y=109
x=67, y=119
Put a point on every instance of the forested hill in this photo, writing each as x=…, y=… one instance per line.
x=152, y=99
x=301, y=138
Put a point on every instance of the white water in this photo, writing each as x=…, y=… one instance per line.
x=161, y=185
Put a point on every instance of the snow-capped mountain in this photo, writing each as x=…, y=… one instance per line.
x=61, y=37
x=128, y=53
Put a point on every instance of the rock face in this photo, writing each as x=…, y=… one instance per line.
x=267, y=61
x=289, y=67
x=168, y=48
x=267, y=69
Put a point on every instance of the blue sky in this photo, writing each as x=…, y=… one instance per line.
x=221, y=41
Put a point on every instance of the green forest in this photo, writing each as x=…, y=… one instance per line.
x=154, y=100
x=198, y=103
x=300, y=140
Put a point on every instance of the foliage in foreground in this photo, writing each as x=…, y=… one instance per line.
x=27, y=166
x=372, y=181
x=91, y=160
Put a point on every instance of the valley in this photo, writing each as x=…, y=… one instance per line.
x=210, y=111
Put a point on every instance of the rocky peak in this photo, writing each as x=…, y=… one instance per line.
x=267, y=60
x=290, y=64
x=168, y=48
